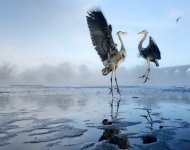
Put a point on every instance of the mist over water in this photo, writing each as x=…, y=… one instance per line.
x=68, y=74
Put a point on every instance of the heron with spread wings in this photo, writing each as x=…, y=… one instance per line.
x=150, y=53
x=101, y=35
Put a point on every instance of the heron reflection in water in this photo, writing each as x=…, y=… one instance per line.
x=109, y=134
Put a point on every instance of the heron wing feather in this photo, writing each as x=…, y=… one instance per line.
x=100, y=33
x=152, y=50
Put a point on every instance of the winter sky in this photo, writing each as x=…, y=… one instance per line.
x=36, y=32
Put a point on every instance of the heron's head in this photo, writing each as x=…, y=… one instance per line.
x=122, y=33
x=143, y=32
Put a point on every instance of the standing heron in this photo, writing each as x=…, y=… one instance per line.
x=150, y=53
x=101, y=35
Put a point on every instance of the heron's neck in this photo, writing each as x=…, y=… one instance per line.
x=123, y=50
x=140, y=44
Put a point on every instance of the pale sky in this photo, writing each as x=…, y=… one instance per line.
x=36, y=32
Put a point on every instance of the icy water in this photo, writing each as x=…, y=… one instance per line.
x=71, y=118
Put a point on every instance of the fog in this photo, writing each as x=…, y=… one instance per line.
x=68, y=74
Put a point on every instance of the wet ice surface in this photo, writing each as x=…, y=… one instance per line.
x=71, y=118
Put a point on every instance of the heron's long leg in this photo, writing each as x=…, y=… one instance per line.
x=148, y=70
x=116, y=83
x=111, y=89
x=117, y=108
x=111, y=103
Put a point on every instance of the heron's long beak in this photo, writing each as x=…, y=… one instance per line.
x=140, y=32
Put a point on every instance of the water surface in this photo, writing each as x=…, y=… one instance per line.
x=71, y=118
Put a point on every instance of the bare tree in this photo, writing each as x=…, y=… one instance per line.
x=84, y=71
x=67, y=71
x=7, y=72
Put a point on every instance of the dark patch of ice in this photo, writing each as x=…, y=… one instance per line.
x=50, y=121
x=52, y=129
x=143, y=108
x=7, y=121
x=59, y=132
x=135, y=97
x=104, y=145
x=5, y=139
x=71, y=144
x=118, y=125
x=44, y=123
x=155, y=114
x=162, y=118
x=185, y=140
x=179, y=119
x=149, y=139
x=86, y=120
x=184, y=124
x=156, y=121
x=8, y=127
x=87, y=145
x=163, y=137
x=90, y=123
x=53, y=144
x=126, y=135
x=122, y=142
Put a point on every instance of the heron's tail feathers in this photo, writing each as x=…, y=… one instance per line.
x=105, y=71
x=156, y=62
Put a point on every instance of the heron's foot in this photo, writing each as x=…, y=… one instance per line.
x=111, y=91
x=118, y=91
x=146, y=78
x=142, y=76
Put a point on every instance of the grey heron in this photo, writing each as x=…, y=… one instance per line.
x=177, y=19
x=101, y=36
x=150, y=53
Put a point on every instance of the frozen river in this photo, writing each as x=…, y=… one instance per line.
x=71, y=118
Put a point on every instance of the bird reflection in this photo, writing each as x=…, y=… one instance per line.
x=108, y=133
x=147, y=139
x=112, y=114
x=148, y=118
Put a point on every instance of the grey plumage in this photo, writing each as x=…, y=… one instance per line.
x=101, y=36
x=150, y=53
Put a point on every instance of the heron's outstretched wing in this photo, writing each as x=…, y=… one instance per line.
x=151, y=50
x=100, y=33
